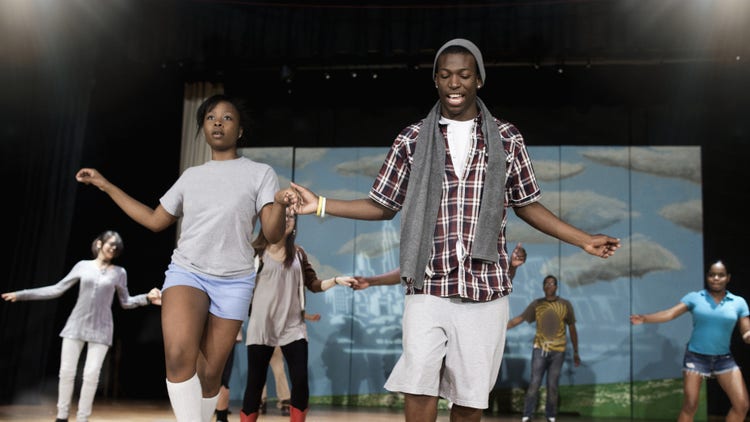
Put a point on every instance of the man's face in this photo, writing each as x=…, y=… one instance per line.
x=457, y=82
x=550, y=286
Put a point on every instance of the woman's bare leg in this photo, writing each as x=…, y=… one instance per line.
x=691, y=394
x=734, y=385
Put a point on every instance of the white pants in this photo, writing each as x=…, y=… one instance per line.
x=71, y=352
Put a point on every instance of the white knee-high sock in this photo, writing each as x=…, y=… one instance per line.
x=186, y=398
x=208, y=407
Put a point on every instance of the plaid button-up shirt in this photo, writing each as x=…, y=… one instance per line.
x=451, y=271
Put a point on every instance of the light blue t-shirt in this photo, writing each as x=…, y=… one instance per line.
x=713, y=323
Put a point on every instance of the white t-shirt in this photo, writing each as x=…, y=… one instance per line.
x=460, y=137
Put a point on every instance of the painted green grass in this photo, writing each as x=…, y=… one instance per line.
x=656, y=399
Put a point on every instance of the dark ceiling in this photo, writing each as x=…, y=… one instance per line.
x=210, y=37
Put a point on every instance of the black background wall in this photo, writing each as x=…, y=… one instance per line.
x=100, y=84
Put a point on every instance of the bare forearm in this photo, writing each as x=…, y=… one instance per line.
x=273, y=221
x=574, y=339
x=657, y=317
x=514, y=321
x=360, y=209
x=539, y=217
x=542, y=219
x=386, y=279
x=138, y=211
x=744, y=327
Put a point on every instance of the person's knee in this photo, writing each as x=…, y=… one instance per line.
x=211, y=378
x=91, y=376
x=180, y=364
x=690, y=406
x=464, y=413
x=67, y=373
x=742, y=406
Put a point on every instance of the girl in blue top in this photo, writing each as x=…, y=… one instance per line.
x=715, y=311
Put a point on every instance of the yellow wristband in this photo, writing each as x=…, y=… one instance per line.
x=323, y=208
x=320, y=205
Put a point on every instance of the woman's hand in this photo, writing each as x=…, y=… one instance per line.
x=154, y=296
x=90, y=176
x=308, y=202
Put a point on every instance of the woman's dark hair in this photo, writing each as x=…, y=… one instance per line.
x=717, y=261
x=104, y=238
x=290, y=250
x=211, y=102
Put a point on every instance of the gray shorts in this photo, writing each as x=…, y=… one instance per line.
x=451, y=349
x=229, y=299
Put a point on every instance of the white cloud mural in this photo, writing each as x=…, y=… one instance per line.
x=674, y=162
x=686, y=214
x=647, y=256
x=368, y=166
x=372, y=244
x=273, y=156
x=550, y=171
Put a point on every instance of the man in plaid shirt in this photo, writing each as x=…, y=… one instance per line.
x=454, y=263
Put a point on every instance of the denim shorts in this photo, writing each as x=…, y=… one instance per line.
x=708, y=365
x=229, y=299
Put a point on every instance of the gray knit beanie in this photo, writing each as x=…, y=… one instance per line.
x=473, y=49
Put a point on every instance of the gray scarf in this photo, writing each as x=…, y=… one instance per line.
x=424, y=192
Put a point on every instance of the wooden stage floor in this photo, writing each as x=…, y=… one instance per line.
x=109, y=411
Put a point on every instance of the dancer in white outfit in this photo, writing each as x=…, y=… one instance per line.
x=90, y=323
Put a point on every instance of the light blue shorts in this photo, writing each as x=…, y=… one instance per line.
x=228, y=298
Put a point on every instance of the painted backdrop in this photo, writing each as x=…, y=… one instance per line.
x=649, y=197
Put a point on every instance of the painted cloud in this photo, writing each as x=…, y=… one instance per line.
x=550, y=171
x=686, y=214
x=675, y=162
x=647, y=256
x=366, y=166
x=372, y=244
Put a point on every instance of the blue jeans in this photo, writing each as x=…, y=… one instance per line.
x=541, y=362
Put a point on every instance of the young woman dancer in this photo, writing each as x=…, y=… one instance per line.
x=90, y=323
x=209, y=283
x=277, y=319
x=716, y=312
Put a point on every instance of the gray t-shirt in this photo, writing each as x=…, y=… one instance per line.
x=219, y=202
x=91, y=319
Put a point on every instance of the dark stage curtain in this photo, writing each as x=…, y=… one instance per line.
x=41, y=153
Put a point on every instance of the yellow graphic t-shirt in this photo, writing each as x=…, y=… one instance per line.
x=551, y=317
